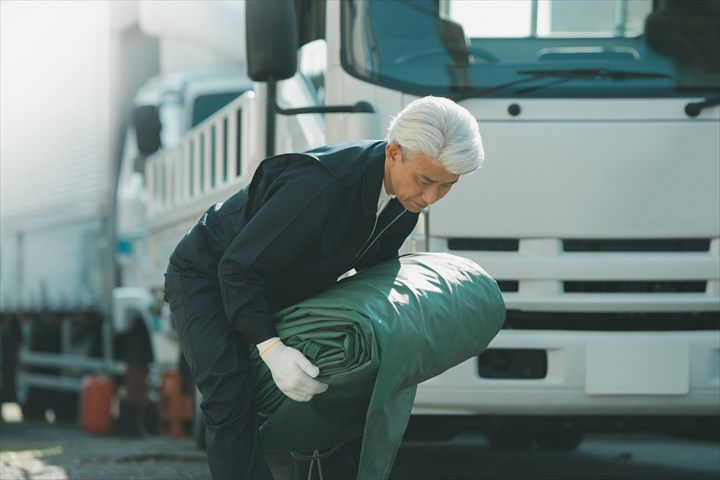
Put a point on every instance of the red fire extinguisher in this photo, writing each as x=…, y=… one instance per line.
x=96, y=402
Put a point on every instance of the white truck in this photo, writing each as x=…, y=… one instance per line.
x=598, y=208
x=74, y=293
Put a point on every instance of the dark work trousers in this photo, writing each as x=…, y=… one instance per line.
x=220, y=364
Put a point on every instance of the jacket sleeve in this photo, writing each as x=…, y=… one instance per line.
x=288, y=222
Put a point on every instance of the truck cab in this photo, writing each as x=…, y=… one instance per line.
x=166, y=108
x=596, y=209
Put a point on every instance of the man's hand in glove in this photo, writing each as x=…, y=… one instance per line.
x=293, y=373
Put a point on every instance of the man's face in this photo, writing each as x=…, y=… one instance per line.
x=416, y=180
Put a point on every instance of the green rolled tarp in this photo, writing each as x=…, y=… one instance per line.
x=375, y=336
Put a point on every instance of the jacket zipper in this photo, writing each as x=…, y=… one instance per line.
x=364, y=249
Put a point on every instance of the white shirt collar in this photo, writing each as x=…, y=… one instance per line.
x=383, y=199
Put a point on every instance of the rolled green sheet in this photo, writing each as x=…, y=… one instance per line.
x=375, y=336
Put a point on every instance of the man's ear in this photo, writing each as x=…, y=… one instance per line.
x=393, y=152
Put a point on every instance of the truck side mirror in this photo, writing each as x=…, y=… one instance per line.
x=146, y=120
x=271, y=38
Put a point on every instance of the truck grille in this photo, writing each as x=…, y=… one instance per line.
x=587, y=245
x=612, y=321
x=484, y=244
x=635, y=287
x=638, y=245
x=603, y=284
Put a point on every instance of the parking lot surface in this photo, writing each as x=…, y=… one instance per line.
x=43, y=451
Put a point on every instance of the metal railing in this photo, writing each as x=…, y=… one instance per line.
x=215, y=154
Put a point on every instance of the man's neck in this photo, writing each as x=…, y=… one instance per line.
x=387, y=184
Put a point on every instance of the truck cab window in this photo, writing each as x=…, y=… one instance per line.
x=535, y=48
x=205, y=106
x=527, y=18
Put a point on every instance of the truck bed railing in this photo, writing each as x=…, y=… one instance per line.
x=215, y=155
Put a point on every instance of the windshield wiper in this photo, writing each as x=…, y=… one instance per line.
x=594, y=74
x=560, y=76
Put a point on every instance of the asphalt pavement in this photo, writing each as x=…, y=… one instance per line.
x=46, y=451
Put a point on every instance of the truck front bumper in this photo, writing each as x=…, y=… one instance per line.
x=588, y=373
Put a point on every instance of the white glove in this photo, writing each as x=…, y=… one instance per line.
x=293, y=373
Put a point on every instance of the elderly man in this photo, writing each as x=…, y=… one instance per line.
x=303, y=221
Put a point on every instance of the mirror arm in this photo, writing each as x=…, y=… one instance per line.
x=359, y=107
x=273, y=108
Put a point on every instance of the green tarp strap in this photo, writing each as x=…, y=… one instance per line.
x=375, y=336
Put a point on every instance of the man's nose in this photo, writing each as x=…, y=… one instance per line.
x=430, y=196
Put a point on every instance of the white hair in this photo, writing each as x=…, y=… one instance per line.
x=442, y=130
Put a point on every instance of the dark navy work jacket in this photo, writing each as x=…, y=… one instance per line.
x=303, y=220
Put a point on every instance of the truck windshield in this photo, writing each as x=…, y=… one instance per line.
x=535, y=48
x=206, y=105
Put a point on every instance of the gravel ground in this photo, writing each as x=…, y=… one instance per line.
x=37, y=450
x=64, y=452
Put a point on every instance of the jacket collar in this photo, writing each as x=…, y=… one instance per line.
x=372, y=179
